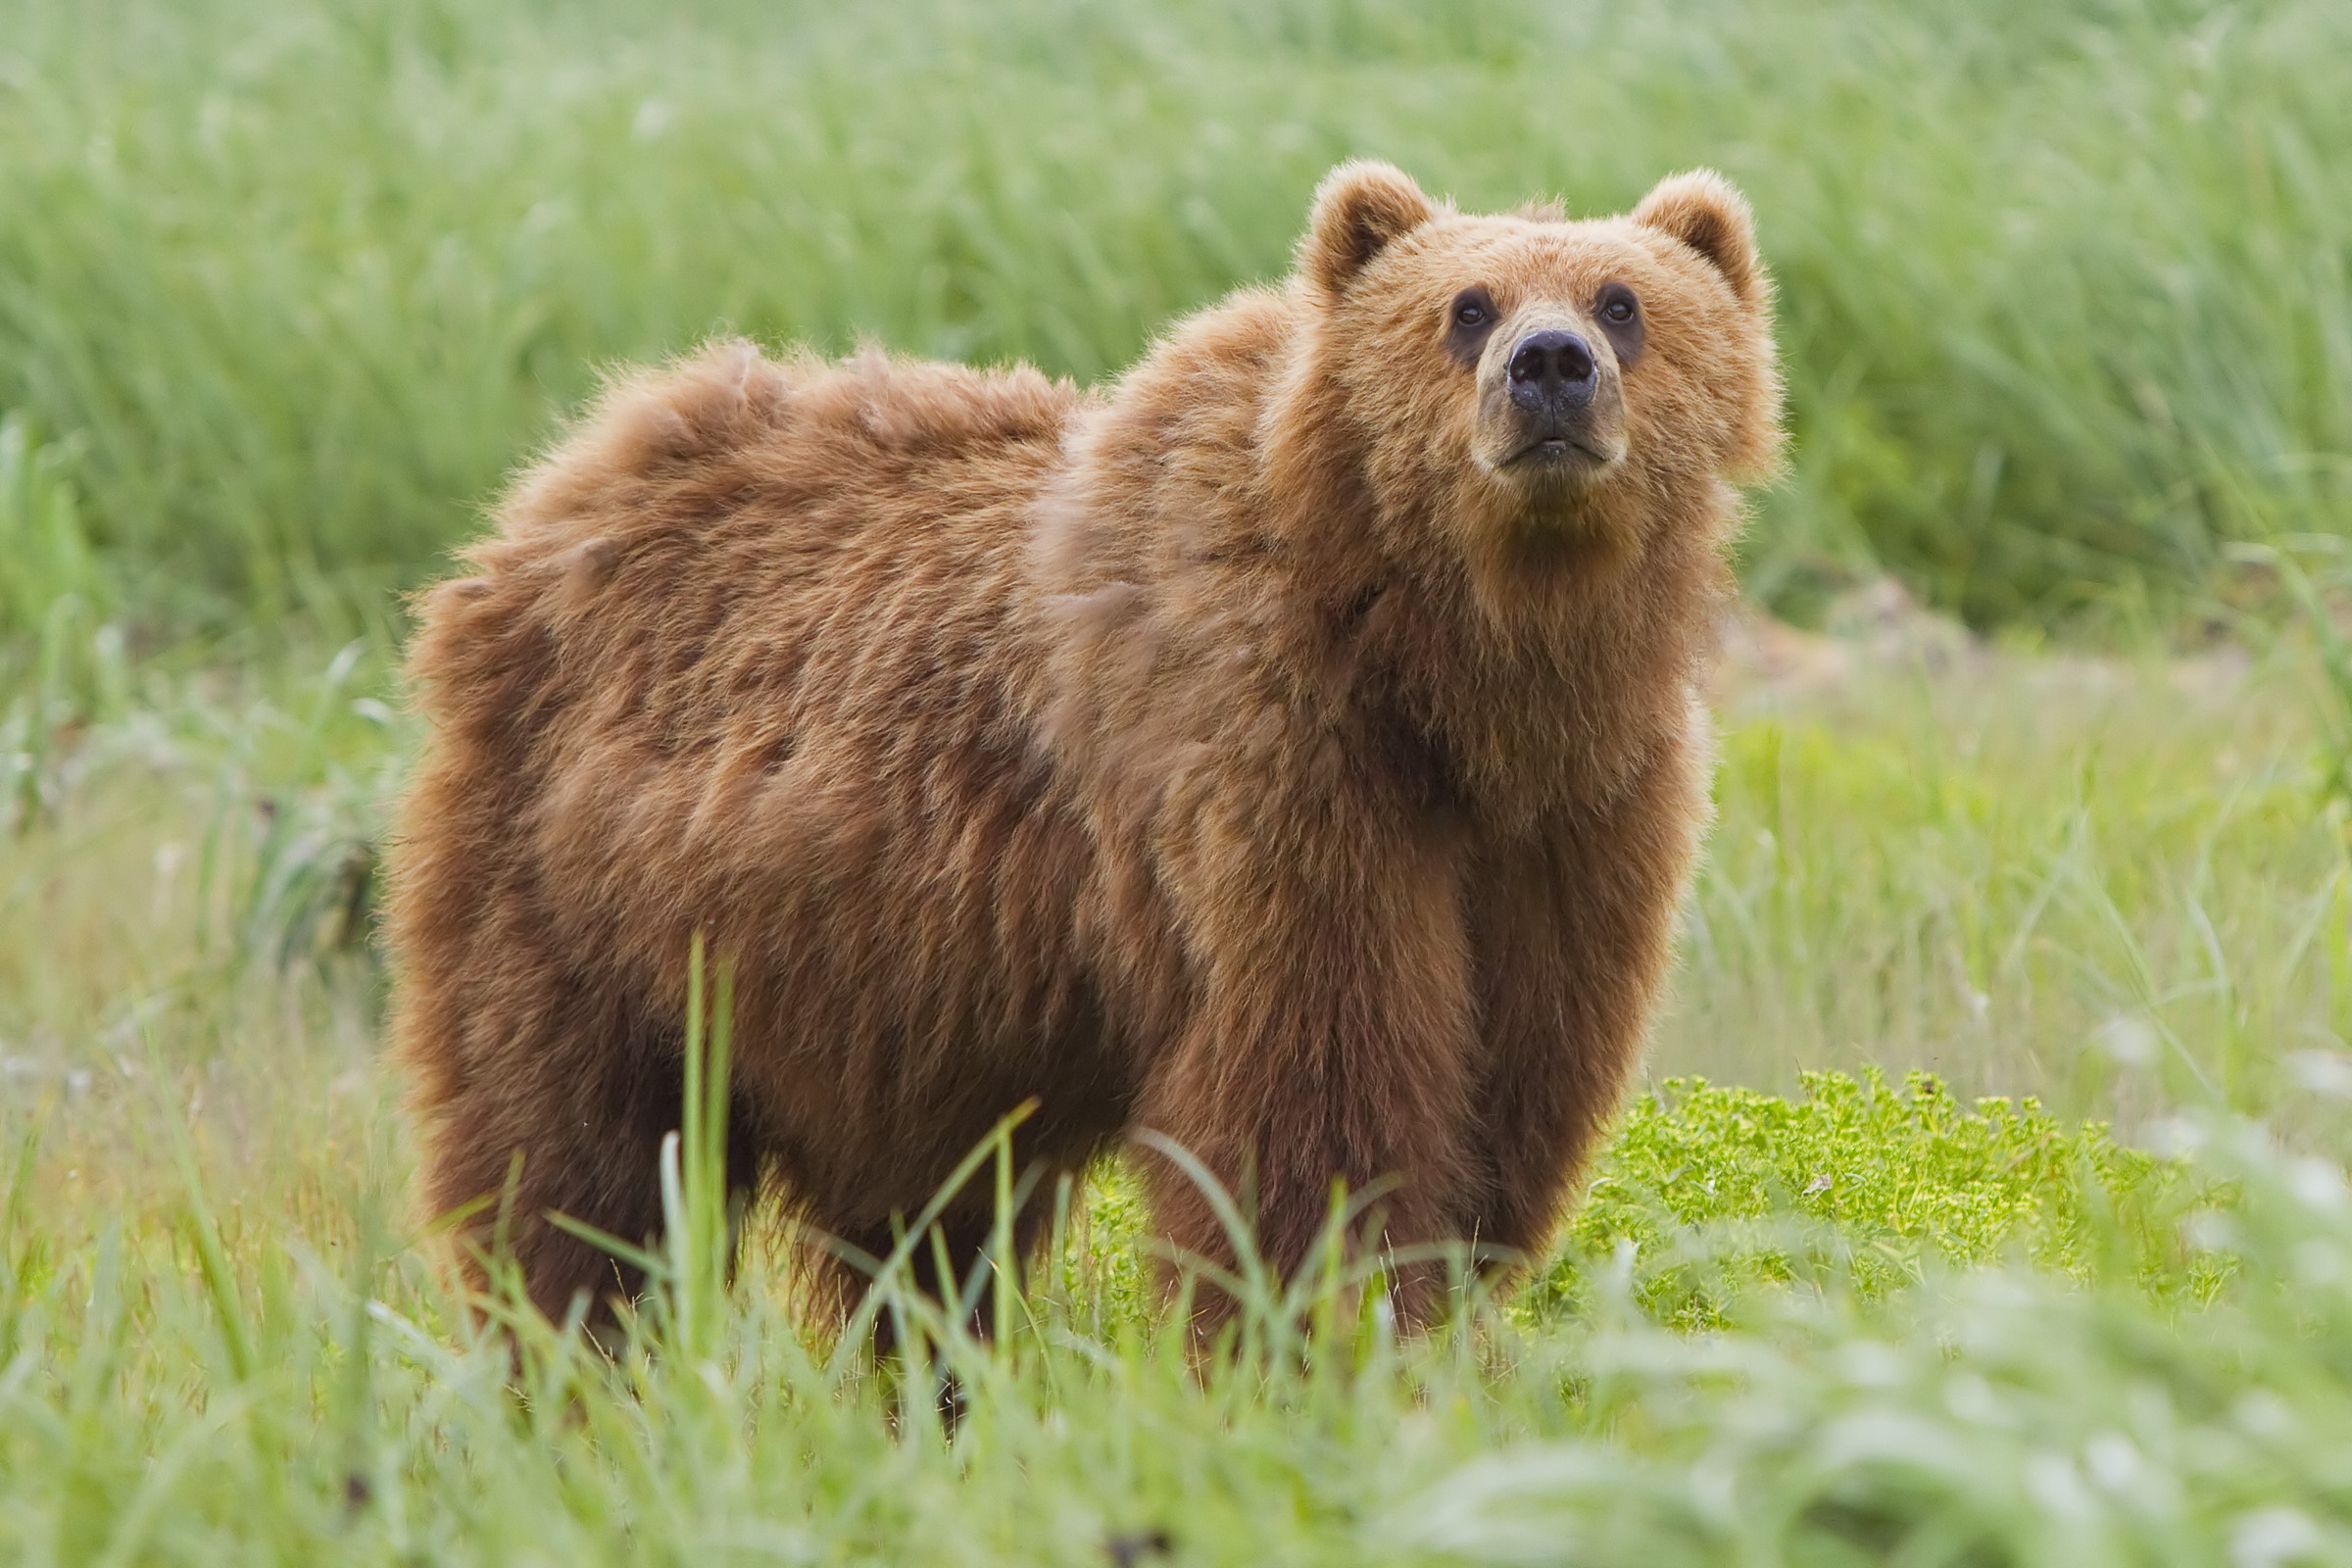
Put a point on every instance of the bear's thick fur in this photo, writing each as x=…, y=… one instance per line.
x=1291, y=749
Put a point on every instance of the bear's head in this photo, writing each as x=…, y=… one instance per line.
x=1522, y=378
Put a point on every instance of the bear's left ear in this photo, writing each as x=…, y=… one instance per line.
x=1360, y=210
x=1706, y=212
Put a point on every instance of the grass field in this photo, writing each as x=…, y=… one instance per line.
x=2066, y=299
x=2063, y=285
x=1836, y=1323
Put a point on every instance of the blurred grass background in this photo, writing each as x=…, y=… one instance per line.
x=2063, y=284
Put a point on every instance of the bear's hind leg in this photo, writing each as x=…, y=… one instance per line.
x=506, y=1169
x=568, y=1123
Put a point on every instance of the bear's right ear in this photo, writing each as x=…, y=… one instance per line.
x=1360, y=210
x=1707, y=212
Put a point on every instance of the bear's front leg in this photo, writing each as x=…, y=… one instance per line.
x=1574, y=932
x=1328, y=1038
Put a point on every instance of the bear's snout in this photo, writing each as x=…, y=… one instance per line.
x=1553, y=373
x=1550, y=409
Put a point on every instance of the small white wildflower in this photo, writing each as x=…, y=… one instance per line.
x=653, y=116
x=2208, y=1232
x=2265, y=1414
x=2112, y=1460
x=1871, y=1364
x=2316, y=1262
x=2172, y=1137
x=2054, y=1482
x=2129, y=1040
x=2270, y=1538
x=1971, y=1399
x=2316, y=1183
x=2322, y=1072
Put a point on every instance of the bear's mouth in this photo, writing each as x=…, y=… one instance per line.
x=1560, y=451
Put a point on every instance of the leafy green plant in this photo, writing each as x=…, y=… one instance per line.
x=308, y=890
x=61, y=662
x=1995, y=1416
x=1891, y=1181
x=49, y=555
x=2315, y=596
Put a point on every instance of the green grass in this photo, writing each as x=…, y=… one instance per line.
x=1712, y=1188
x=2064, y=287
x=202, y=1388
x=1992, y=1335
x=285, y=286
x=2116, y=883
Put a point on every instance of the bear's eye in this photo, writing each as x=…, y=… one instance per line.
x=1469, y=321
x=1619, y=316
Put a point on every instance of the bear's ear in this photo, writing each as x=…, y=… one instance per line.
x=1360, y=210
x=1704, y=210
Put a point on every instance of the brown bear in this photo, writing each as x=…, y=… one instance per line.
x=1291, y=750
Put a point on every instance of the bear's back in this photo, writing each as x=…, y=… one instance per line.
x=750, y=632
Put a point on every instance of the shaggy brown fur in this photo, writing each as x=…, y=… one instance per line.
x=1292, y=751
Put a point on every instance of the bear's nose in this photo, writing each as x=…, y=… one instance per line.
x=1552, y=365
